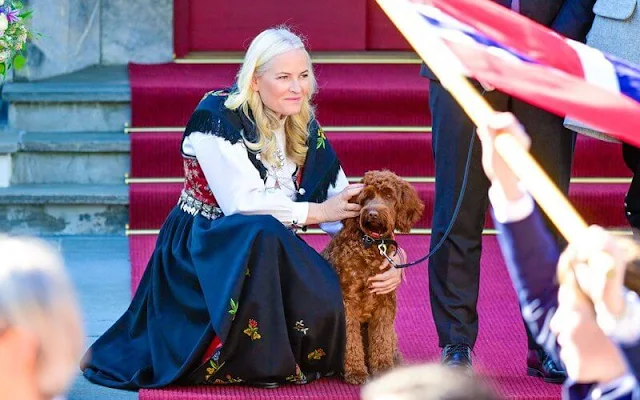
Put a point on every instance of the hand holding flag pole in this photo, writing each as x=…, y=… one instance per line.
x=446, y=66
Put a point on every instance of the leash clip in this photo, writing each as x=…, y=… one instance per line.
x=382, y=247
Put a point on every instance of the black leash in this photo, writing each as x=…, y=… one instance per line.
x=382, y=243
x=453, y=217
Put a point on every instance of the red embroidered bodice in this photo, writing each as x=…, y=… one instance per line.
x=195, y=183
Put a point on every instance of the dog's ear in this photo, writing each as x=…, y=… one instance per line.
x=409, y=207
x=356, y=199
x=352, y=224
x=366, y=179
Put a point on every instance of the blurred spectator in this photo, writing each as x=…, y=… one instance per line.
x=427, y=382
x=562, y=318
x=41, y=335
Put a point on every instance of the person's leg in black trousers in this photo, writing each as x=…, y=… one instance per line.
x=552, y=146
x=631, y=155
x=454, y=270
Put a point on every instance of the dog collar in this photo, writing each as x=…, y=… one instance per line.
x=376, y=239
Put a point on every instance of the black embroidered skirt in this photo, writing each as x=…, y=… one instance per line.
x=246, y=282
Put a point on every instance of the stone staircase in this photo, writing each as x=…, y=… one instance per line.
x=64, y=154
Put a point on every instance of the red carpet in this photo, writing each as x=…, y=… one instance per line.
x=363, y=94
x=499, y=354
x=150, y=203
x=408, y=154
x=360, y=25
x=358, y=95
x=155, y=154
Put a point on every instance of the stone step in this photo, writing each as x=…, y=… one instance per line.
x=64, y=209
x=81, y=142
x=94, y=99
x=71, y=157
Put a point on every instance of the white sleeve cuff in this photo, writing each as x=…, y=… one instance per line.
x=506, y=211
x=331, y=228
x=299, y=213
x=624, y=329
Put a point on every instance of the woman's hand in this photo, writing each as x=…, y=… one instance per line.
x=388, y=281
x=337, y=207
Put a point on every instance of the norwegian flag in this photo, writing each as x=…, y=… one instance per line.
x=529, y=61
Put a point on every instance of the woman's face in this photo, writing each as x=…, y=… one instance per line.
x=285, y=84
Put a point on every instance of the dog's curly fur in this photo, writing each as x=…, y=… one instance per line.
x=388, y=204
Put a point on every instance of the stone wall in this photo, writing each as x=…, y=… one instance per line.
x=139, y=30
x=81, y=33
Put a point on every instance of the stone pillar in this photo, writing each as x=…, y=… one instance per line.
x=81, y=33
x=70, y=38
x=137, y=31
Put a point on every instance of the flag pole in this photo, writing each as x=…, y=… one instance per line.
x=445, y=66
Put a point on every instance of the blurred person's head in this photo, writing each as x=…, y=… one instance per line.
x=275, y=85
x=41, y=335
x=426, y=382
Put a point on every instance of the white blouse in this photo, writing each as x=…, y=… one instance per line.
x=238, y=188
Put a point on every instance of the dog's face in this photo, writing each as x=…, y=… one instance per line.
x=388, y=204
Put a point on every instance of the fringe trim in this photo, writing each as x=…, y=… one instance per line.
x=329, y=178
x=206, y=122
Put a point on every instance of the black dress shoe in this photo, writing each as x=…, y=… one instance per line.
x=540, y=365
x=457, y=356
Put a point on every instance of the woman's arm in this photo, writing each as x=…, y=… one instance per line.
x=236, y=183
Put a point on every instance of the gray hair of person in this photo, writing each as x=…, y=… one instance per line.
x=36, y=296
x=426, y=382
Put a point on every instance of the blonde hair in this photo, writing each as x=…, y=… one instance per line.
x=36, y=295
x=267, y=45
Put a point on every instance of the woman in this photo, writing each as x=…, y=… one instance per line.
x=41, y=336
x=231, y=294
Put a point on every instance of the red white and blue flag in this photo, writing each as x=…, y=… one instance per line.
x=531, y=62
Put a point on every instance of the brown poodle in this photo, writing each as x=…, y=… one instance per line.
x=388, y=204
